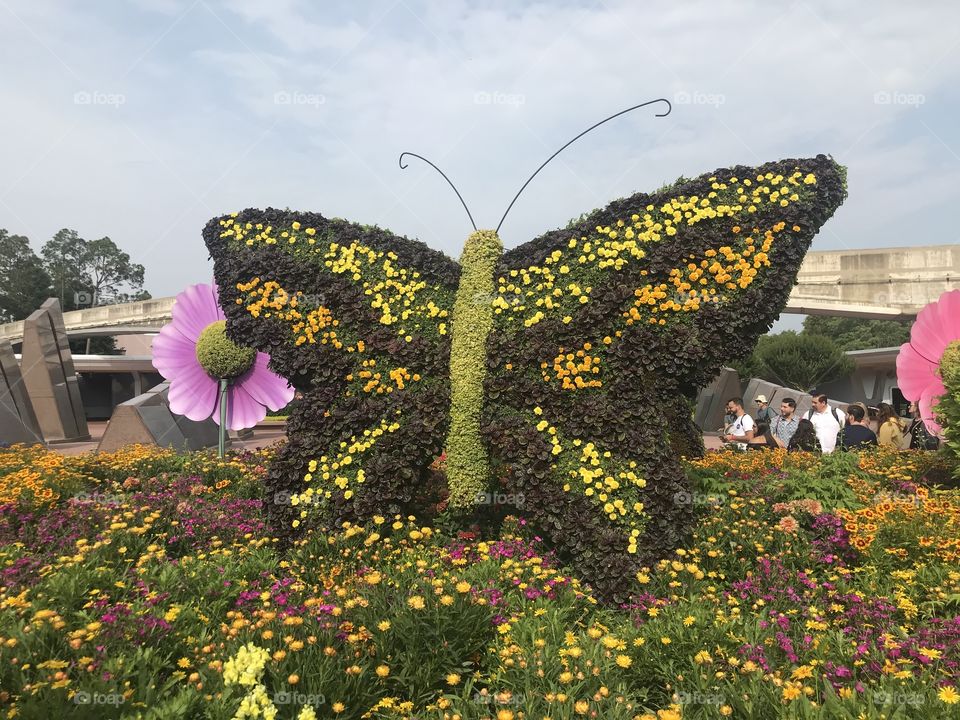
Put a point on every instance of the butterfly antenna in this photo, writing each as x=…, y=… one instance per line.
x=421, y=157
x=622, y=112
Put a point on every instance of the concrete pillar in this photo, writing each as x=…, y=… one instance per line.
x=47, y=367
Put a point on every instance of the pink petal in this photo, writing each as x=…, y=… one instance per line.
x=194, y=309
x=242, y=410
x=914, y=372
x=928, y=403
x=936, y=326
x=265, y=386
x=172, y=351
x=193, y=392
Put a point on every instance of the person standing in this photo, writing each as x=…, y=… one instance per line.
x=764, y=412
x=785, y=424
x=805, y=438
x=827, y=421
x=857, y=434
x=920, y=437
x=741, y=430
x=893, y=431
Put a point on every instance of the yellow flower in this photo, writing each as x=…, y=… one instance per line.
x=453, y=679
x=791, y=692
x=338, y=707
x=416, y=602
x=581, y=707
x=505, y=715
x=383, y=671
x=383, y=625
x=624, y=661
x=463, y=586
x=949, y=695
x=689, y=620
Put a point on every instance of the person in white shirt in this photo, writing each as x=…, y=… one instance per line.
x=741, y=430
x=826, y=421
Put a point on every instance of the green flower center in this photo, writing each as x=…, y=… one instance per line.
x=220, y=356
x=950, y=363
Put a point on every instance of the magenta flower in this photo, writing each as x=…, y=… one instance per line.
x=936, y=327
x=193, y=353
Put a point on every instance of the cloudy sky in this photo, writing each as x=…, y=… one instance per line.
x=142, y=119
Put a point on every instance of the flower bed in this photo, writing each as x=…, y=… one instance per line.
x=154, y=587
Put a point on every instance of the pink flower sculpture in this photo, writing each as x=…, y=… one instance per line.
x=936, y=327
x=193, y=353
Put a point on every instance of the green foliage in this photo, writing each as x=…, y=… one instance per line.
x=467, y=465
x=221, y=357
x=796, y=360
x=86, y=273
x=24, y=284
x=948, y=409
x=858, y=333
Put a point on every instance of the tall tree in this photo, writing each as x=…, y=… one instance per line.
x=24, y=284
x=110, y=270
x=91, y=272
x=63, y=258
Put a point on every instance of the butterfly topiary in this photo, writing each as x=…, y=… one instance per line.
x=558, y=373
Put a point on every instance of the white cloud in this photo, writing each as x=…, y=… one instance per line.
x=288, y=103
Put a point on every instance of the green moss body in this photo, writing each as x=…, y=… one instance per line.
x=468, y=467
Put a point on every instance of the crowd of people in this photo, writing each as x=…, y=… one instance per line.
x=824, y=428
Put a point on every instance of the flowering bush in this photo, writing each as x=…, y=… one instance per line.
x=168, y=596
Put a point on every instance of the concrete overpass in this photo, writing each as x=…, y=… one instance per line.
x=882, y=283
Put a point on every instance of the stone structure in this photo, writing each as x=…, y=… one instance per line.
x=712, y=402
x=147, y=420
x=49, y=376
x=18, y=423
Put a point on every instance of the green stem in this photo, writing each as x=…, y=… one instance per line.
x=222, y=437
x=468, y=467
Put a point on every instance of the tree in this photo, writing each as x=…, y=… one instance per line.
x=110, y=269
x=24, y=284
x=86, y=273
x=797, y=360
x=858, y=333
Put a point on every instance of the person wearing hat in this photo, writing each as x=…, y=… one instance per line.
x=764, y=414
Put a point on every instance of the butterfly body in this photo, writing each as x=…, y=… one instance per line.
x=559, y=371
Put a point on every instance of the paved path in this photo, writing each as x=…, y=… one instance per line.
x=263, y=434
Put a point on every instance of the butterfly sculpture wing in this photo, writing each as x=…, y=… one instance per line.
x=604, y=331
x=358, y=320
